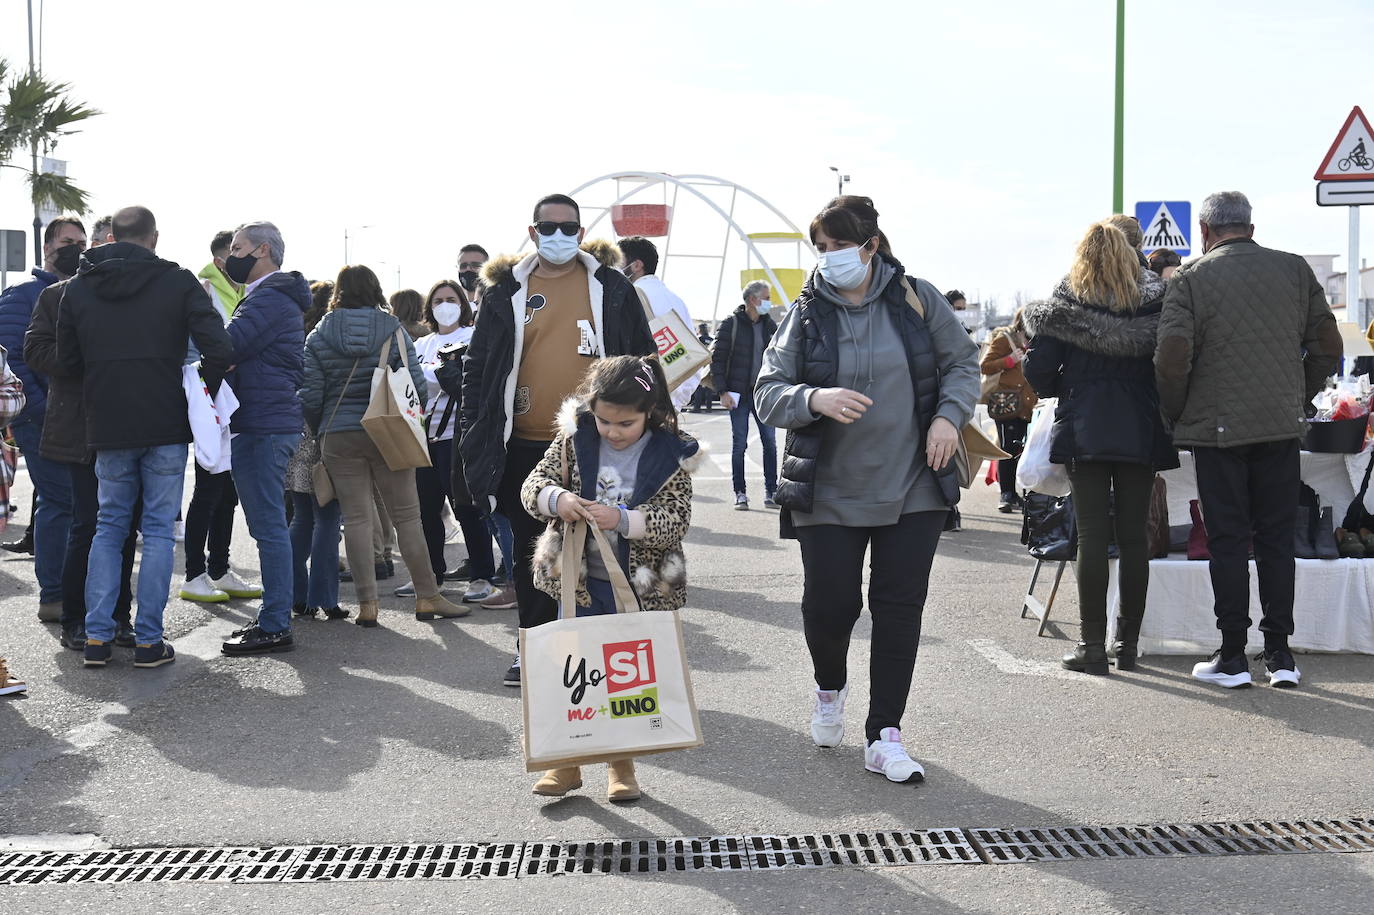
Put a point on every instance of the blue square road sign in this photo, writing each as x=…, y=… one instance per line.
x=1166, y=224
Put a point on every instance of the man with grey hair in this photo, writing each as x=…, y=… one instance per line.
x=268, y=332
x=736, y=360
x=1246, y=340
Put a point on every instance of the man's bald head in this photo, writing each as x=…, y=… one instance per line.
x=137, y=226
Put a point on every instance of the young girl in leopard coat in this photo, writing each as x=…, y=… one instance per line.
x=620, y=462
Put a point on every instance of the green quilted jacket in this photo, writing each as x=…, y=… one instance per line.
x=1246, y=340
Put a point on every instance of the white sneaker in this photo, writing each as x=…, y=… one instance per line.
x=200, y=589
x=231, y=584
x=406, y=590
x=888, y=757
x=479, y=589
x=827, y=720
x=179, y=531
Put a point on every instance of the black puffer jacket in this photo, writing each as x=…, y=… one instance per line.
x=732, y=350
x=492, y=365
x=64, y=422
x=122, y=326
x=1100, y=364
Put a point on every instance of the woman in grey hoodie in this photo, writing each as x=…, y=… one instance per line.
x=873, y=376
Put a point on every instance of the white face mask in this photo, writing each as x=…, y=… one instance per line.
x=558, y=248
x=448, y=313
x=844, y=269
x=764, y=306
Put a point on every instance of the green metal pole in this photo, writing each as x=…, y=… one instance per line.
x=1118, y=195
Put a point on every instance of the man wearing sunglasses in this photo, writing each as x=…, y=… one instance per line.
x=546, y=317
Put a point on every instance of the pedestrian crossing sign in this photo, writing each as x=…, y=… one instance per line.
x=1166, y=224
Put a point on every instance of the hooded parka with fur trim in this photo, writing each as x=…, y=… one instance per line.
x=493, y=359
x=660, y=509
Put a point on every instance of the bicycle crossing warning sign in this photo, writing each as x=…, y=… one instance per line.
x=1351, y=157
x=1166, y=224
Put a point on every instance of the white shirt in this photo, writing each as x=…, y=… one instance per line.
x=663, y=300
x=248, y=290
x=427, y=351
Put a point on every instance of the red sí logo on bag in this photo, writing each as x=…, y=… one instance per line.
x=666, y=340
x=629, y=665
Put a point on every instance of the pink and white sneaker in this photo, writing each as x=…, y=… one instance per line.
x=889, y=758
x=827, y=719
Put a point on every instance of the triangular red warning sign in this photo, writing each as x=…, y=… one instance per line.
x=1351, y=157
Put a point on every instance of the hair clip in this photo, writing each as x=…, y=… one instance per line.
x=645, y=377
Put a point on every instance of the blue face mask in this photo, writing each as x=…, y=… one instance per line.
x=765, y=306
x=844, y=269
x=558, y=248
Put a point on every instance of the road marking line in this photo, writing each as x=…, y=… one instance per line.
x=1010, y=664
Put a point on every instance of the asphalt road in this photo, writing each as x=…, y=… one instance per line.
x=406, y=734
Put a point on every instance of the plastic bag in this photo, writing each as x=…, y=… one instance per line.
x=1035, y=472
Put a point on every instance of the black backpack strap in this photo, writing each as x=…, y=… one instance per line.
x=1356, y=512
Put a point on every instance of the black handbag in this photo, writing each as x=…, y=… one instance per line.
x=1048, y=528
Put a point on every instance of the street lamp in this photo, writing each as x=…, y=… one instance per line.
x=346, y=241
x=840, y=179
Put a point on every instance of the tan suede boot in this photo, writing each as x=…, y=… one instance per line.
x=367, y=614
x=558, y=782
x=438, y=607
x=621, y=784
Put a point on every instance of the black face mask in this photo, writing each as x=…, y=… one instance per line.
x=238, y=268
x=468, y=280
x=67, y=260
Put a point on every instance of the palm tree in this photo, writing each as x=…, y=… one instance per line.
x=35, y=115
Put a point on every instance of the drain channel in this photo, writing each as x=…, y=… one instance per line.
x=483, y=860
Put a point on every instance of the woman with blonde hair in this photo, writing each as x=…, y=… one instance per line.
x=1092, y=346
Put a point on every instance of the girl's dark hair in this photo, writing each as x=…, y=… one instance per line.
x=320, y=291
x=407, y=306
x=465, y=319
x=636, y=382
x=851, y=218
x=357, y=287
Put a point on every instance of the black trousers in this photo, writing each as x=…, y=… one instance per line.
x=85, y=505
x=1251, y=492
x=1094, y=484
x=536, y=607
x=433, y=485
x=1011, y=436
x=899, y=563
x=210, y=523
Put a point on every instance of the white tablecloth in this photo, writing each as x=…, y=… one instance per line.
x=1334, y=610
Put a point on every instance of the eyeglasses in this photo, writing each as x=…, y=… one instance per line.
x=548, y=228
x=470, y=265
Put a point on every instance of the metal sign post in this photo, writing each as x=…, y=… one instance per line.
x=1354, y=307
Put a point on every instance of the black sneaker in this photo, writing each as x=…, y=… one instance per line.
x=124, y=636
x=74, y=638
x=154, y=655
x=769, y=501
x=24, y=545
x=345, y=575
x=462, y=573
x=385, y=570
x=97, y=655
x=1232, y=672
x=335, y=613
x=512, y=677
x=1283, y=671
x=254, y=641
x=301, y=610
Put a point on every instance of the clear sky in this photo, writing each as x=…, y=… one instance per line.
x=983, y=130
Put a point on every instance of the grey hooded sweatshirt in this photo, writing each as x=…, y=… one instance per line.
x=871, y=472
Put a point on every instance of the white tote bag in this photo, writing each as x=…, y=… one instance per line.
x=1034, y=471
x=599, y=688
x=678, y=348
x=394, y=419
x=209, y=419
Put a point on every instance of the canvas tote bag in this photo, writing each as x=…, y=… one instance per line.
x=599, y=688
x=681, y=353
x=395, y=415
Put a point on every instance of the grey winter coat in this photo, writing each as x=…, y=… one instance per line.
x=344, y=337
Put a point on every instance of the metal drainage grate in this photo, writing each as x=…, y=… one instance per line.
x=862, y=849
x=342, y=863
x=323, y=863
x=635, y=856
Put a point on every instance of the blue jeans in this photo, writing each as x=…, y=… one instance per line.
x=499, y=527
x=161, y=472
x=52, y=519
x=739, y=433
x=314, y=536
x=258, y=462
x=602, y=595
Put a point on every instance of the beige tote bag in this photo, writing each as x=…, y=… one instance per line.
x=395, y=413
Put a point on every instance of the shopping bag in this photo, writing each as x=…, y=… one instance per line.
x=209, y=419
x=599, y=688
x=1035, y=472
x=394, y=419
x=678, y=348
